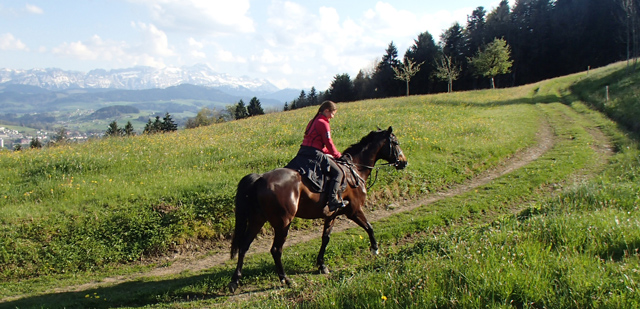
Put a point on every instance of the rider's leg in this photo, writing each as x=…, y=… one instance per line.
x=334, y=186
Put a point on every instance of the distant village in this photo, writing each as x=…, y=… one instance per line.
x=9, y=139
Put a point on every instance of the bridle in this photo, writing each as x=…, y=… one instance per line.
x=393, y=151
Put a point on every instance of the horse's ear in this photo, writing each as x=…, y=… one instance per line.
x=379, y=129
x=390, y=129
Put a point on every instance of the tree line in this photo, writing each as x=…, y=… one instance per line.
x=536, y=40
x=152, y=127
x=511, y=45
x=205, y=117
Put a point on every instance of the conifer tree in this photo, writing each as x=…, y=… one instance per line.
x=341, y=89
x=384, y=77
x=302, y=100
x=254, y=107
x=113, y=130
x=424, y=50
x=240, y=111
x=168, y=125
x=312, y=97
x=148, y=128
x=128, y=129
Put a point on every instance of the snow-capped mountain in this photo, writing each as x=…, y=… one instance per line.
x=135, y=78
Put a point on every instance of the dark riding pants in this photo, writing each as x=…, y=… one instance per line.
x=314, y=164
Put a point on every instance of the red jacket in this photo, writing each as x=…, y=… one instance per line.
x=318, y=135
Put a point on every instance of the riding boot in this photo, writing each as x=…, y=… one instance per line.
x=335, y=201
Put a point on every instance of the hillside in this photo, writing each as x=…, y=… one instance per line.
x=74, y=214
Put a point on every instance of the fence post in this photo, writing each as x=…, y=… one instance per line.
x=607, y=93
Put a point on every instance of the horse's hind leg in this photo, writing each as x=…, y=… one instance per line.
x=276, y=252
x=254, y=227
x=326, y=235
x=359, y=218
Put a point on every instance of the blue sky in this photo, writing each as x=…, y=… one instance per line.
x=293, y=44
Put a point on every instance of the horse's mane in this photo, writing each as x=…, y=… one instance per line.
x=364, y=143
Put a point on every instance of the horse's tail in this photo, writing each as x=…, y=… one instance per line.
x=245, y=199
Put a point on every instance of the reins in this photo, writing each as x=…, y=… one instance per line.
x=376, y=168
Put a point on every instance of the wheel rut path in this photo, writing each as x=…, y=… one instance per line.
x=196, y=261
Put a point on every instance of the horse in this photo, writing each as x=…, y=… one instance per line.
x=280, y=195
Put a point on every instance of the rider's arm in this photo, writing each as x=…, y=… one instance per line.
x=325, y=133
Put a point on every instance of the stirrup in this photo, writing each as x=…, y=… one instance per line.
x=336, y=204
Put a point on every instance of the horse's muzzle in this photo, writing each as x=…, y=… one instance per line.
x=400, y=165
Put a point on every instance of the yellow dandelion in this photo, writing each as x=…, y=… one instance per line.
x=384, y=298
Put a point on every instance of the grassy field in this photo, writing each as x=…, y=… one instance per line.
x=560, y=232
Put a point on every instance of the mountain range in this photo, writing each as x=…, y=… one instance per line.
x=53, y=88
x=136, y=78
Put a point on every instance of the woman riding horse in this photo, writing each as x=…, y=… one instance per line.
x=318, y=153
x=280, y=195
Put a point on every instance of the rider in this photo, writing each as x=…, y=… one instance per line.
x=317, y=144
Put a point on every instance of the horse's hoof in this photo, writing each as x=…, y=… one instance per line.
x=323, y=269
x=288, y=282
x=375, y=251
x=233, y=286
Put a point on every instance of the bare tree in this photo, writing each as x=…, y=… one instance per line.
x=630, y=19
x=447, y=70
x=407, y=71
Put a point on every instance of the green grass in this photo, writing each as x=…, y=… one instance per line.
x=82, y=207
x=531, y=238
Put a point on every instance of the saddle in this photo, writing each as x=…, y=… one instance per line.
x=313, y=171
x=350, y=175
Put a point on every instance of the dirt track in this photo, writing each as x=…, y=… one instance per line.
x=197, y=261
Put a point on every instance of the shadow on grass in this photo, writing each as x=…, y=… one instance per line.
x=535, y=99
x=615, y=95
x=145, y=292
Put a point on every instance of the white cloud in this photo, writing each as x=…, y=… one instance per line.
x=286, y=69
x=154, y=39
x=387, y=20
x=195, y=43
x=151, y=50
x=196, y=54
x=195, y=48
x=227, y=56
x=268, y=57
x=280, y=82
x=34, y=9
x=217, y=17
x=92, y=49
x=305, y=39
x=9, y=42
x=19, y=12
x=316, y=45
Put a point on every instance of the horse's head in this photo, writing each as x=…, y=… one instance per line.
x=391, y=151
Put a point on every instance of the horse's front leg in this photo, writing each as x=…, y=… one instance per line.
x=326, y=235
x=359, y=218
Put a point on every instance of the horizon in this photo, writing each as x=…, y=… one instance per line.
x=291, y=44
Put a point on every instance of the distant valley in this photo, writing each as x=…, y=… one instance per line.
x=49, y=98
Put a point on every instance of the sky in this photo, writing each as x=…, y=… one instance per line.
x=292, y=44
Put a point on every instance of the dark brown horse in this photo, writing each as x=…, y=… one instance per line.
x=281, y=194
